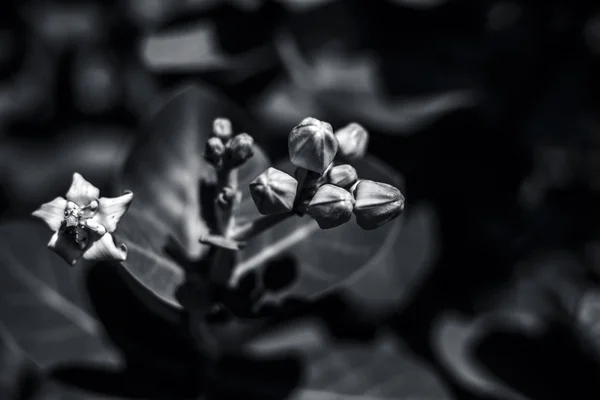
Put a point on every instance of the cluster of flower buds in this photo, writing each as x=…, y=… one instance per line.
x=225, y=150
x=329, y=192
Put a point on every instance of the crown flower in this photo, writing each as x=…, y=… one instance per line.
x=83, y=223
x=331, y=206
x=273, y=191
x=312, y=145
x=353, y=141
x=376, y=203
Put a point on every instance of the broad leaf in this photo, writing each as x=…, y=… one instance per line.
x=166, y=172
x=384, y=369
x=329, y=259
x=40, y=304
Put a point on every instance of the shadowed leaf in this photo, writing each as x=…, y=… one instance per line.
x=383, y=370
x=40, y=304
x=167, y=172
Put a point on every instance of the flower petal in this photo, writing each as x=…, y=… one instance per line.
x=111, y=210
x=95, y=226
x=52, y=213
x=64, y=245
x=104, y=249
x=81, y=191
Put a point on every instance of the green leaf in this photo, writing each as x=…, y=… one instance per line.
x=167, y=173
x=382, y=370
x=40, y=303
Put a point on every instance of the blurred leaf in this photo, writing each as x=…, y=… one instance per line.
x=65, y=25
x=347, y=87
x=195, y=48
x=166, y=171
x=334, y=258
x=384, y=369
x=455, y=337
x=19, y=376
x=40, y=304
x=393, y=276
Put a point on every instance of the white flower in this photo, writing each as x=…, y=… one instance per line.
x=83, y=223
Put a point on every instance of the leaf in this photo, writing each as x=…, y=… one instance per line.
x=336, y=85
x=454, y=338
x=334, y=258
x=195, y=48
x=384, y=369
x=166, y=172
x=40, y=305
x=19, y=376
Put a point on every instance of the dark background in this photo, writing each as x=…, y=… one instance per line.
x=488, y=109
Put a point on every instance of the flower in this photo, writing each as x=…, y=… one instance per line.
x=353, y=140
x=343, y=176
x=312, y=145
x=238, y=150
x=331, y=206
x=222, y=129
x=273, y=191
x=83, y=223
x=214, y=150
x=376, y=203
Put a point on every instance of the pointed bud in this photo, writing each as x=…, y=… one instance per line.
x=312, y=145
x=222, y=129
x=353, y=140
x=214, y=150
x=331, y=206
x=343, y=176
x=376, y=203
x=239, y=150
x=273, y=192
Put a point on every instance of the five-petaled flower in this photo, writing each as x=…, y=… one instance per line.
x=83, y=223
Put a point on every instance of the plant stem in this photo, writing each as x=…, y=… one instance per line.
x=253, y=228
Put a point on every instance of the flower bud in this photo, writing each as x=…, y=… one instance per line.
x=239, y=150
x=331, y=206
x=312, y=145
x=343, y=176
x=227, y=196
x=376, y=203
x=214, y=150
x=273, y=192
x=222, y=129
x=353, y=141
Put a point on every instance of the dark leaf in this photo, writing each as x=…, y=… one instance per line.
x=347, y=87
x=196, y=49
x=20, y=378
x=384, y=369
x=40, y=303
x=167, y=173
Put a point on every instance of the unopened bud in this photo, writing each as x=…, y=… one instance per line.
x=214, y=150
x=353, y=141
x=312, y=145
x=222, y=129
x=343, y=176
x=331, y=206
x=273, y=191
x=227, y=196
x=239, y=149
x=376, y=203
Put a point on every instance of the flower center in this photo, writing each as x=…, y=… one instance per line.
x=74, y=214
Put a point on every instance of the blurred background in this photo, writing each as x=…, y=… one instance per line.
x=488, y=110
